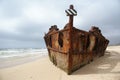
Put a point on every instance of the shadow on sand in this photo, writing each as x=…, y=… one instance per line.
x=102, y=65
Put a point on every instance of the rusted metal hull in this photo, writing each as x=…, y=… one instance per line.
x=71, y=48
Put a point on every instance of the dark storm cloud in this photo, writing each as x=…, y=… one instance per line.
x=21, y=44
x=30, y=28
x=33, y=18
x=20, y=40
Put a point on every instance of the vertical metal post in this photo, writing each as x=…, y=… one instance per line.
x=71, y=48
x=71, y=26
x=71, y=18
x=71, y=13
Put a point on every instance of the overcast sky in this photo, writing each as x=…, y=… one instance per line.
x=24, y=22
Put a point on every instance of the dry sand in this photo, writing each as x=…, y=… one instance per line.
x=104, y=68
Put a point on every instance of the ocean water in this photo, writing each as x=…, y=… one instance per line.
x=9, y=53
x=11, y=57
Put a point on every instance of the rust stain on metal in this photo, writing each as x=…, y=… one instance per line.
x=71, y=48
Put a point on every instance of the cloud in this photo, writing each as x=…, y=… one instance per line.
x=23, y=23
x=103, y=14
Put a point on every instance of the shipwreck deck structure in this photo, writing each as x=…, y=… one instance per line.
x=71, y=48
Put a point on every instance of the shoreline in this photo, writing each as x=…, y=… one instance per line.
x=26, y=59
x=103, y=68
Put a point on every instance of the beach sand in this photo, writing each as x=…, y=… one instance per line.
x=103, y=68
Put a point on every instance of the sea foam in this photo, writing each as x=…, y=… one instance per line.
x=11, y=57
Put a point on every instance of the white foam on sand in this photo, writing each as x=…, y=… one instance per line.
x=12, y=57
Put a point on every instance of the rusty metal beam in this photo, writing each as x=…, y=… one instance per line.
x=57, y=50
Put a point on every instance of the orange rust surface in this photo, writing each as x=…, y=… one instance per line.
x=71, y=48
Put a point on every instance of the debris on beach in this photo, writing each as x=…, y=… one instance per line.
x=71, y=48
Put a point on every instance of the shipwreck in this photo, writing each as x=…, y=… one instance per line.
x=71, y=48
